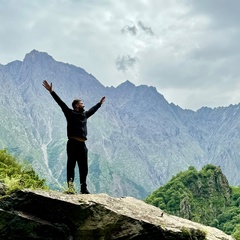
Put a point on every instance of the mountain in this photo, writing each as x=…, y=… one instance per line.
x=137, y=141
x=201, y=196
x=52, y=215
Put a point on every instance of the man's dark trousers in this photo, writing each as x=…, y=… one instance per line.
x=77, y=152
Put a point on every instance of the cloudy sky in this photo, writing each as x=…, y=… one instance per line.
x=188, y=49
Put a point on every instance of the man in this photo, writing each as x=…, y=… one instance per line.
x=77, y=135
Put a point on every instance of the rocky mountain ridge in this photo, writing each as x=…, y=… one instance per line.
x=137, y=140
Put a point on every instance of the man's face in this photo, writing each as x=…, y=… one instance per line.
x=79, y=106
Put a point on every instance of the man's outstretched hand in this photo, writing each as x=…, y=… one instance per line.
x=102, y=100
x=47, y=85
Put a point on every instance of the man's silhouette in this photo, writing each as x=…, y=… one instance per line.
x=77, y=135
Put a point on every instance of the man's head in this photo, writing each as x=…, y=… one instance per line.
x=77, y=105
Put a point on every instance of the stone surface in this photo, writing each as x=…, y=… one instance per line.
x=53, y=215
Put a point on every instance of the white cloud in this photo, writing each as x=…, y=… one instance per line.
x=188, y=50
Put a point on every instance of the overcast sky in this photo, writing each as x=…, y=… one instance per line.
x=188, y=49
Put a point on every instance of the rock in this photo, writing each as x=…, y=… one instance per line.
x=52, y=215
x=2, y=189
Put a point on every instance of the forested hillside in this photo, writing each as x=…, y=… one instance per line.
x=202, y=196
x=15, y=175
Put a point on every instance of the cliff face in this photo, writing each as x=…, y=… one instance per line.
x=53, y=215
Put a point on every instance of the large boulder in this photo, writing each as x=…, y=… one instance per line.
x=52, y=215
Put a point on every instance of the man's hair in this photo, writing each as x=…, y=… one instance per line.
x=75, y=101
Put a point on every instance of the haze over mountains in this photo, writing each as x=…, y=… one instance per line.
x=136, y=140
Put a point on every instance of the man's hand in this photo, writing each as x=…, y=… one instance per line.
x=47, y=86
x=102, y=100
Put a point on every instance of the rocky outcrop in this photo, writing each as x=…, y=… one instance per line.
x=52, y=215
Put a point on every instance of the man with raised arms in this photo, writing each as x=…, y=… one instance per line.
x=77, y=151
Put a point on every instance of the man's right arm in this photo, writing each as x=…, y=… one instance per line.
x=59, y=101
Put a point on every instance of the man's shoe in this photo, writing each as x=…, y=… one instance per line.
x=84, y=191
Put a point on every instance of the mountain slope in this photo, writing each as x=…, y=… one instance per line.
x=136, y=141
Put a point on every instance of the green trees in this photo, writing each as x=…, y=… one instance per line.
x=18, y=176
x=203, y=197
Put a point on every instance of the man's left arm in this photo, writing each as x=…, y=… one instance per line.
x=92, y=110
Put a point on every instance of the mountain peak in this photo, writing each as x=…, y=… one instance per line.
x=127, y=84
x=35, y=54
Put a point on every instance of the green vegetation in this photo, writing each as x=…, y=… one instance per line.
x=203, y=197
x=194, y=234
x=15, y=176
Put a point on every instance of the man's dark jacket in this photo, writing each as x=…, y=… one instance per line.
x=76, y=120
